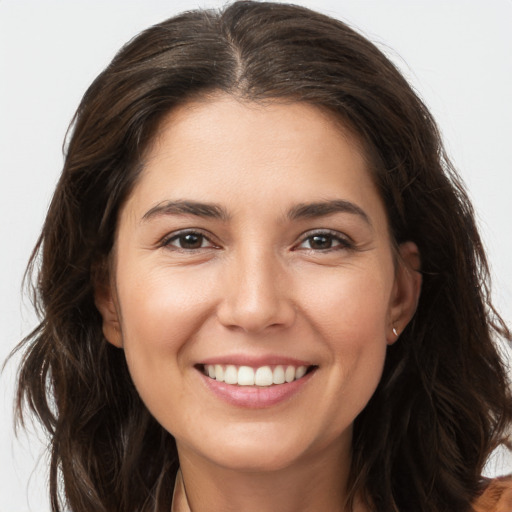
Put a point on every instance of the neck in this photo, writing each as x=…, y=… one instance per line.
x=309, y=485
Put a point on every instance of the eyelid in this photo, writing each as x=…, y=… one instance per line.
x=168, y=238
x=345, y=241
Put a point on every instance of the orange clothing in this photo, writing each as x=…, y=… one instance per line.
x=497, y=497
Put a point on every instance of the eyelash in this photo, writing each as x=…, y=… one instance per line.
x=342, y=241
x=167, y=242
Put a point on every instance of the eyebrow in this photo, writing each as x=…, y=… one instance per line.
x=183, y=207
x=215, y=211
x=323, y=208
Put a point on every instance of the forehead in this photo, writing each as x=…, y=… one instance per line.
x=222, y=149
x=221, y=122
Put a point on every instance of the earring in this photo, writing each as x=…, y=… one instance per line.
x=395, y=332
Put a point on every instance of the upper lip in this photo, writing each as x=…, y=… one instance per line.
x=255, y=361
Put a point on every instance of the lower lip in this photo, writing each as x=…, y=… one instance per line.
x=255, y=397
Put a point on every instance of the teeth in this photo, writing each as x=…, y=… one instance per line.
x=278, y=377
x=219, y=373
x=245, y=376
x=300, y=372
x=289, y=374
x=263, y=376
x=231, y=375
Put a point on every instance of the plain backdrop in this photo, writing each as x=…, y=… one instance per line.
x=456, y=53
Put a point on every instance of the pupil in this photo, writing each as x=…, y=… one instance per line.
x=321, y=242
x=191, y=241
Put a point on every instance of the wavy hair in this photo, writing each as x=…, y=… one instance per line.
x=443, y=403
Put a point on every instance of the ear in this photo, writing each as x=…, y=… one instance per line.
x=406, y=290
x=105, y=300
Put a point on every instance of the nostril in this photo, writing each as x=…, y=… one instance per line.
x=256, y=318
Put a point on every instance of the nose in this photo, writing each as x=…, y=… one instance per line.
x=256, y=293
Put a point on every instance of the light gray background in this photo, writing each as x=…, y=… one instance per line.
x=457, y=54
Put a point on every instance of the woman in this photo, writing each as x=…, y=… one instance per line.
x=258, y=242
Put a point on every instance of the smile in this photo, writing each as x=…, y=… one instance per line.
x=262, y=376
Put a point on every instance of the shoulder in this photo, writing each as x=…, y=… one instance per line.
x=497, y=496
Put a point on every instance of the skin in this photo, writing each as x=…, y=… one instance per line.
x=257, y=284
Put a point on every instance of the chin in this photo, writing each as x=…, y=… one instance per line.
x=267, y=447
x=257, y=459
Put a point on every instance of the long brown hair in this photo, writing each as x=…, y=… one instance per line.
x=443, y=403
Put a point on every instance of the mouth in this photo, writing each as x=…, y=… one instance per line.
x=262, y=376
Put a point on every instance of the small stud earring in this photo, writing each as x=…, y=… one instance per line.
x=395, y=332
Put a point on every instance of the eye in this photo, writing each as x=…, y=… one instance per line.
x=188, y=241
x=324, y=241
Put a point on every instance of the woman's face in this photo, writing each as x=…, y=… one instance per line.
x=255, y=248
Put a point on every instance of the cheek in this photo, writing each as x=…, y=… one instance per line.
x=349, y=304
x=349, y=313
x=161, y=312
x=162, y=305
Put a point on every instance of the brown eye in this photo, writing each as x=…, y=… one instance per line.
x=325, y=241
x=188, y=241
x=320, y=242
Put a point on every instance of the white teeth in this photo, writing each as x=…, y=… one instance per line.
x=245, y=376
x=300, y=372
x=278, y=377
x=263, y=376
x=219, y=373
x=231, y=375
x=289, y=374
